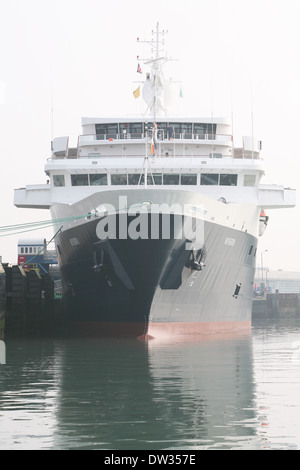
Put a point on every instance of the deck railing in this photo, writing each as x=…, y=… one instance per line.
x=160, y=135
x=166, y=146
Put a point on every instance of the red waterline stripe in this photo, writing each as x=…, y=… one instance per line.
x=166, y=330
x=160, y=330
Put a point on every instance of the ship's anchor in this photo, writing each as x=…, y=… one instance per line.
x=98, y=267
x=197, y=265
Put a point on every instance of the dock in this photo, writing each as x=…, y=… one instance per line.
x=276, y=304
x=28, y=304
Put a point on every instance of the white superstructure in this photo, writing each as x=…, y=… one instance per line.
x=158, y=152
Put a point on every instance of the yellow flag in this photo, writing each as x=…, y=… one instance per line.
x=136, y=92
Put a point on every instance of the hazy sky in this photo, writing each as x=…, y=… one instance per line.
x=78, y=57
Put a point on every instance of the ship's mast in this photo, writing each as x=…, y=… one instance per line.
x=156, y=69
x=154, y=84
x=153, y=92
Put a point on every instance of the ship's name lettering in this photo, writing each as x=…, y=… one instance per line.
x=229, y=241
x=197, y=210
x=74, y=241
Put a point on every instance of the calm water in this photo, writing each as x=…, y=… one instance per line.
x=230, y=393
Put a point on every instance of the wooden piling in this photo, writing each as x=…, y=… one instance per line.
x=34, y=302
x=17, y=315
x=2, y=300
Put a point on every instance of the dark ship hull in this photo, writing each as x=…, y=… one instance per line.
x=156, y=287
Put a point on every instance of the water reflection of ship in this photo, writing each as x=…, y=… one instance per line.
x=129, y=394
x=135, y=395
x=213, y=389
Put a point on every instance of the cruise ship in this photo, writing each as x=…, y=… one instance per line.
x=157, y=218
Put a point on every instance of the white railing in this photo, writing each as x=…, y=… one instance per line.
x=166, y=146
x=160, y=135
x=211, y=158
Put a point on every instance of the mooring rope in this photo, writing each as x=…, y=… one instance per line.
x=7, y=230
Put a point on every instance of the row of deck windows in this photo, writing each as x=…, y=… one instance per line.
x=112, y=129
x=117, y=179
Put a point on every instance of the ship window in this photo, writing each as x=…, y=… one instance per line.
x=249, y=180
x=157, y=178
x=153, y=177
x=202, y=129
x=162, y=126
x=182, y=128
x=135, y=129
x=176, y=126
x=134, y=178
x=137, y=178
x=118, y=179
x=22, y=250
x=211, y=131
x=170, y=179
x=187, y=127
x=79, y=180
x=228, y=180
x=215, y=155
x=58, y=180
x=110, y=130
x=251, y=248
x=188, y=179
x=186, y=130
x=99, y=179
x=209, y=179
